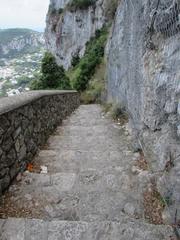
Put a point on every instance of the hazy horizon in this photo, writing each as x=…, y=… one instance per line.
x=33, y=29
x=29, y=14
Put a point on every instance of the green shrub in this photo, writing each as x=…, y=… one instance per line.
x=81, y=4
x=52, y=76
x=75, y=60
x=53, y=11
x=110, y=9
x=60, y=10
x=118, y=113
x=87, y=98
x=92, y=94
x=92, y=58
x=96, y=86
x=36, y=85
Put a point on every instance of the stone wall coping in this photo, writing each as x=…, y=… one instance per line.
x=11, y=103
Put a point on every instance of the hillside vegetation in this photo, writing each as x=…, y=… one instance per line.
x=81, y=75
x=81, y=4
x=52, y=76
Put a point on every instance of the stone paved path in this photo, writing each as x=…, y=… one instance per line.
x=90, y=191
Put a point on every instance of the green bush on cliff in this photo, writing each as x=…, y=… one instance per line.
x=53, y=11
x=96, y=86
x=110, y=9
x=52, y=76
x=85, y=69
x=79, y=76
x=75, y=60
x=81, y=4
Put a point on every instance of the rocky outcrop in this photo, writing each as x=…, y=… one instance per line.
x=15, y=42
x=143, y=76
x=26, y=121
x=68, y=32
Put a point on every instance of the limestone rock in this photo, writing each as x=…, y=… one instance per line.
x=129, y=209
x=146, y=81
x=67, y=33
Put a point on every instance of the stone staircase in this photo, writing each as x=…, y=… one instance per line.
x=90, y=191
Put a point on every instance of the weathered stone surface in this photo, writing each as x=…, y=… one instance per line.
x=129, y=209
x=17, y=132
x=126, y=229
x=10, y=157
x=26, y=122
x=4, y=183
x=22, y=153
x=36, y=230
x=4, y=123
x=7, y=144
x=13, y=229
x=86, y=193
x=1, y=152
x=3, y=172
x=145, y=80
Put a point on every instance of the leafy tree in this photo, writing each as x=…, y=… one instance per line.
x=52, y=76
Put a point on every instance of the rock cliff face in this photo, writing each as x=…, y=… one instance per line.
x=19, y=41
x=144, y=76
x=68, y=32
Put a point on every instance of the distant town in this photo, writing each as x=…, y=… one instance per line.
x=21, y=52
x=17, y=74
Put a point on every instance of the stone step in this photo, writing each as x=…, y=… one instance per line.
x=87, y=131
x=75, y=161
x=125, y=229
x=90, y=195
x=89, y=192
x=79, y=145
x=75, y=139
x=86, y=122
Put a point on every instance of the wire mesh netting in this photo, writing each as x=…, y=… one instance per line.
x=167, y=17
x=165, y=21
x=145, y=55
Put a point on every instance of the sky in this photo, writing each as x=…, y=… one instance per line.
x=23, y=14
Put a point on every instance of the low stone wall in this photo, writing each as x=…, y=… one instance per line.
x=26, y=121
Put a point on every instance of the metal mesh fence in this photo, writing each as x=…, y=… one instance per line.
x=161, y=31
x=167, y=18
x=164, y=19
